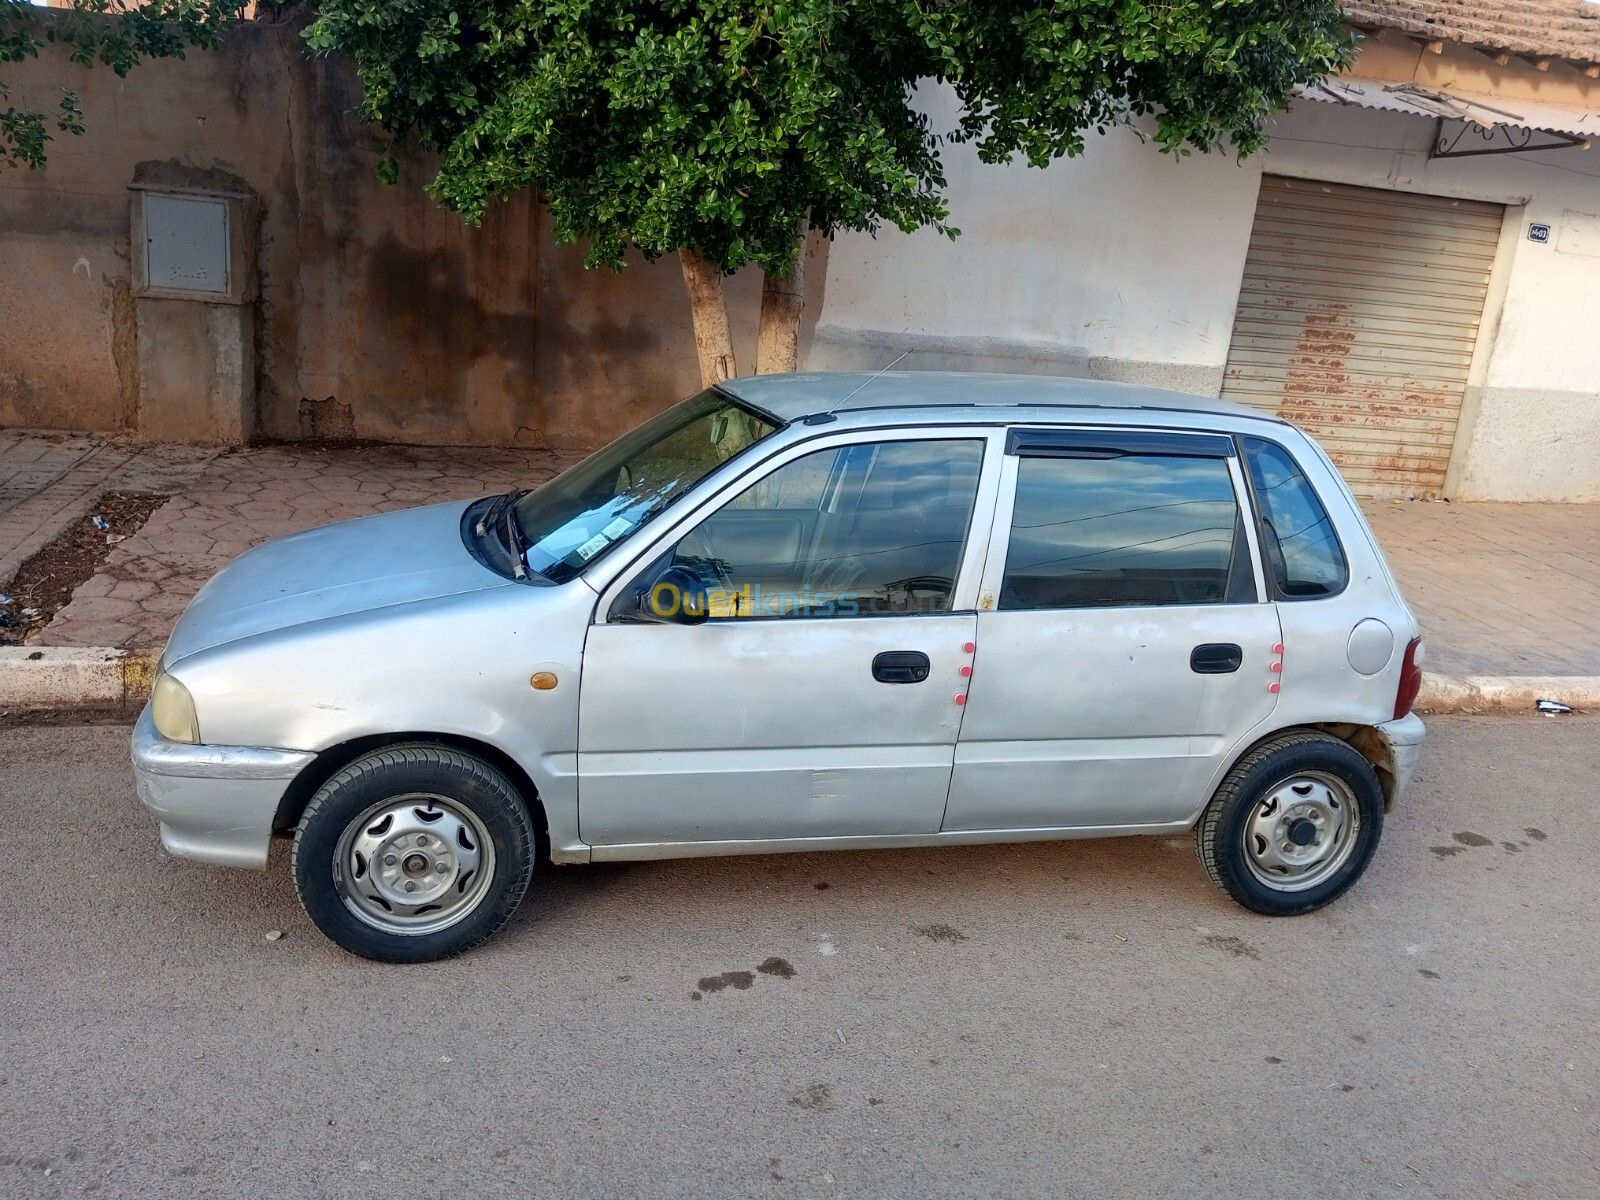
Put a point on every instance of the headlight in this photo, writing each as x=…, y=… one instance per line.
x=172, y=709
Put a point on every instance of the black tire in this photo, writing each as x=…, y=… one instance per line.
x=1251, y=785
x=475, y=800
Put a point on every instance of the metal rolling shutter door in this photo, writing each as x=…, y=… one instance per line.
x=1357, y=318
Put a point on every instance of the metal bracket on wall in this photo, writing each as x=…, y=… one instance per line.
x=1465, y=139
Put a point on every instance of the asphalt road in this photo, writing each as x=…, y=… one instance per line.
x=1072, y=1019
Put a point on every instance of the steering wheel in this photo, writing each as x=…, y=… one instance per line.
x=939, y=587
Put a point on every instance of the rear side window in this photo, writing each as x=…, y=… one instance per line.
x=1303, y=556
x=1123, y=531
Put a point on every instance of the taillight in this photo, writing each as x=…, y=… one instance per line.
x=1410, y=679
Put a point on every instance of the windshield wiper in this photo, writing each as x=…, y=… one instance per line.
x=516, y=540
x=489, y=516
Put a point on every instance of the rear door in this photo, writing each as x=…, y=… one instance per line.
x=1124, y=645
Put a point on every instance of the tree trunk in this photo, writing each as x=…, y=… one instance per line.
x=713, y=342
x=783, y=298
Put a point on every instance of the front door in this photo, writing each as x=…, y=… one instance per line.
x=1127, y=648
x=818, y=700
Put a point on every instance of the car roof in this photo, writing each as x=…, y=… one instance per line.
x=790, y=397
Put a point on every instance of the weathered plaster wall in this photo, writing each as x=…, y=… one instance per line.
x=1122, y=264
x=380, y=315
x=69, y=354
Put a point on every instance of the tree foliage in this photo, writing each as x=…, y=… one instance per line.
x=726, y=125
x=113, y=33
x=717, y=124
x=1035, y=77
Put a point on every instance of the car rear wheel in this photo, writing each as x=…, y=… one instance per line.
x=413, y=853
x=1293, y=825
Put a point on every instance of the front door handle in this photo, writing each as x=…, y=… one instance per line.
x=1216, y=658
x=900, y=666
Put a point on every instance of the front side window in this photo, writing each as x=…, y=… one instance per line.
x=859, y=530
x=1122, y=531
x=584, y=512
x=1303, y=556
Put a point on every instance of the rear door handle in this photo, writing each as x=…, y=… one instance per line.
x=900, y=666
x=1216, y=658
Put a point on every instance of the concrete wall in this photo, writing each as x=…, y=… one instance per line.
x=379, y=315
x=1125, y=264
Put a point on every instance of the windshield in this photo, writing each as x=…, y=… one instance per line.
x=581, y=513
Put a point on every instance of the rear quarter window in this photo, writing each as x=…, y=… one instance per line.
x=1302, y=554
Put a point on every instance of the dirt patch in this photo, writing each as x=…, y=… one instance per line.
x=738, y=980
x=1237, y=947
x=939, y=933
x=17, y=718
x=45, y=583
x=818, y=1097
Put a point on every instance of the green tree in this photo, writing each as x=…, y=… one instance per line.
x=721, y=130
x=114, y=33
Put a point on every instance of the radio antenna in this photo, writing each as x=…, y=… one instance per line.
x=868, y=380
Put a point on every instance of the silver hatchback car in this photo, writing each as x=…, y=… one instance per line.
x=806, y=612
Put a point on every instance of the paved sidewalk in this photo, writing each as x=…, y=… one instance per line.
x=1501, y=589
x=247, y=496
x=48, y=480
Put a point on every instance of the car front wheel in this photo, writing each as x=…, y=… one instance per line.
x=413, y=853
x=1293, y=825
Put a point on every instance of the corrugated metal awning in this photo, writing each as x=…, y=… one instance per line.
x=1487, y=111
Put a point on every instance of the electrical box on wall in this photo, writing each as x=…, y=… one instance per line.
x=193, y=244
x=186, y=243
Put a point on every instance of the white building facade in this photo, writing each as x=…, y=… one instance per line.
x=1431, y=315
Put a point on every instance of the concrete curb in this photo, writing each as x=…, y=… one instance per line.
x=64, y=677
x=43, y=677
x=1506, y=693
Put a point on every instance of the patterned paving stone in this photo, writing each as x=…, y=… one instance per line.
x=247, y=496
x=1500, y=589
x=48, y=480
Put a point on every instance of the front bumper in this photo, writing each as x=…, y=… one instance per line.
x=1404, y=739
x=215, y=803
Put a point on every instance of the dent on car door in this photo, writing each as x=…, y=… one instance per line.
x=1128, y=646
x=818, y=698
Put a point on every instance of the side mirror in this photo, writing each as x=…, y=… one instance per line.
x=677, y=597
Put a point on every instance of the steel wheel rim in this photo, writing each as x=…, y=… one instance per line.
x=1302, y=831
x=414, y=864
